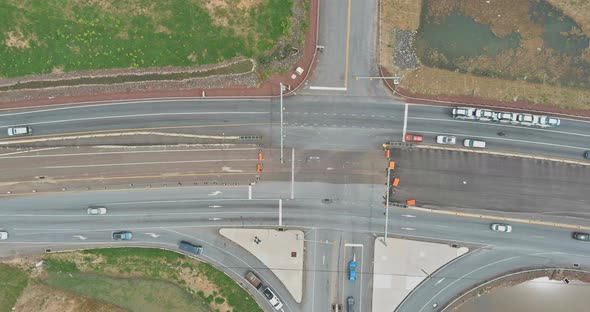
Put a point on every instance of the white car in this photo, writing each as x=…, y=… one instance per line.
x=505, y=117
x=97, y=210
x=546, y=121
x=525, y=118
x=445, y=139
x=3, y=235
x=484, y=114
x=501, y=227
x=272, y=298
x=463, y=113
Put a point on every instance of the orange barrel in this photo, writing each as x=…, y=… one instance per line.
x=395, y=182
x=391, y=165
x=260, y=155
x=258, y=167
x=387, y=153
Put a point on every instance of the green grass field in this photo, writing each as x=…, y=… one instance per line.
x=12, y=282
x=116, y=267
x=142, y=295
x=67, y=35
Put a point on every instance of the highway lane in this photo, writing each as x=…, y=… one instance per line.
x=166, y=213
x=372, y=121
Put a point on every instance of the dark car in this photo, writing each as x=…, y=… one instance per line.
x=122, y=235
x=581, y=236
x=587, y=155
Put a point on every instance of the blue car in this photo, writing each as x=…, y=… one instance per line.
x=352, y=270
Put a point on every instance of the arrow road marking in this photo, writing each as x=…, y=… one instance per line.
x=215, y=193
x=229, y=169
x=154, y=235
x=442, y=279
x=80, y=237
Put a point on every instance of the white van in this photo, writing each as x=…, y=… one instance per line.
x=474, y=143
x=20, y=130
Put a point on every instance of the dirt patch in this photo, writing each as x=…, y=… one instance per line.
x=16, y=39
x=193, y=281
x=42, y=298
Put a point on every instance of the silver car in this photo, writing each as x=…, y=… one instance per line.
x=501, y=227
x=445, y=139
x=97, y=210
x=3, y=235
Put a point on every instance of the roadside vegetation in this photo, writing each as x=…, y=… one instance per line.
x=131, y=279
x=12, y=282
x=57, y=36
x=525, y=50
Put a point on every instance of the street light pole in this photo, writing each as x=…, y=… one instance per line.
x=387, y=206
x=282, y=89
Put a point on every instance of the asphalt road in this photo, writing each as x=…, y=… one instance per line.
x=311, y=123
x=163, y=217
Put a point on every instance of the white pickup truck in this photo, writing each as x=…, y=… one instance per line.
x=20, y=130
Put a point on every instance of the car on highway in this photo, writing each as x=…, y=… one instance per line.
x=97, y=210
x=581, y=236
x=547, y=121
x=3, y=235
x=20, y=130
x=414, y=138
x=350, y=304
x=501, y=227
x=526, y=119
x=587, y=154
x=463, y=113
x=122, y=235
x=484, y=114
x=272, y=298
x=474, y=143
x=352, y=270
x=505, y=117
x=446, y=139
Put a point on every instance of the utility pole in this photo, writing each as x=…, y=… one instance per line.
x=387, y=205
x=282, y=89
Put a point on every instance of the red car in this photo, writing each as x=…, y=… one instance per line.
x=414, y=138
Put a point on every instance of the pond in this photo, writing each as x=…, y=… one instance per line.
x=526, y=40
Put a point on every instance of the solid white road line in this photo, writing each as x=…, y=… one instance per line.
x=3, y=156
x=328, y=88
x=405, y=123
x=141, y=115
x=146, y=163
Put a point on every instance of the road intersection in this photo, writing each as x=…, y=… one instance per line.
x=338, y=172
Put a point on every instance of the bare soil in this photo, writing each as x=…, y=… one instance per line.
x=42, y=298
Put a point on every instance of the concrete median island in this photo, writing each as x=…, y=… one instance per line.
x=280, y=251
